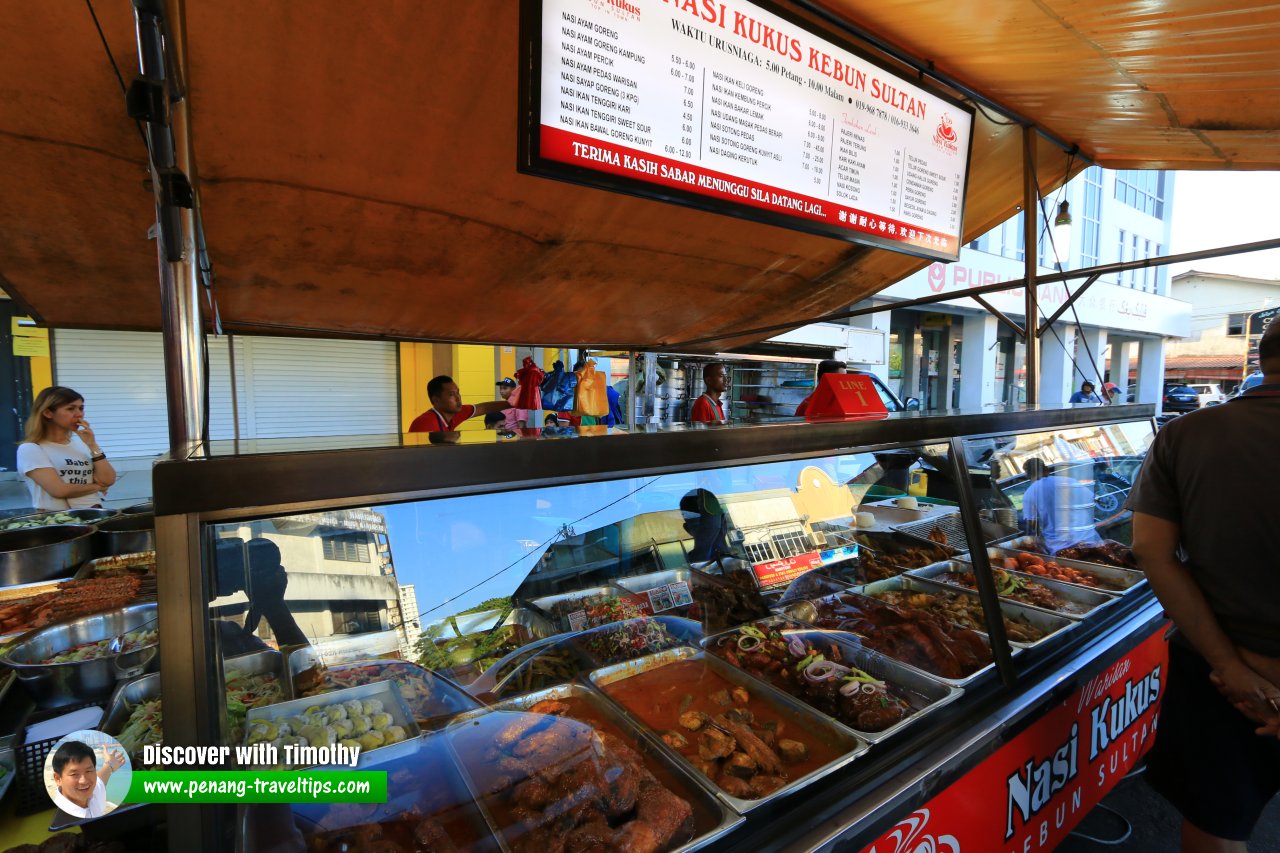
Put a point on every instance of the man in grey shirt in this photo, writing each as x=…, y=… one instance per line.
x=1205, y=531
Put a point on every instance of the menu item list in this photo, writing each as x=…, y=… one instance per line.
x=723, y=99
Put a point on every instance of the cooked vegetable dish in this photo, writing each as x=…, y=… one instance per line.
x=814, y=671
x=963, y=610
x=132, y=642
x=1016, y=588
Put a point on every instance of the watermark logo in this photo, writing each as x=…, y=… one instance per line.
x=945, y=136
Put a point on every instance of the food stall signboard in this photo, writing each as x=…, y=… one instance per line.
x=776, y=572
x=1049, y=776
x=740, y=108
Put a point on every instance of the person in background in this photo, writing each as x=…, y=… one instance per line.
x=829, y=365
x=494, y=420
x=1058, y=509
x=615, y=416
x=708, y=408
x=1204, y=532
x=1086, y=394
x=60, y=457
x=447, y=412
x=513, y=418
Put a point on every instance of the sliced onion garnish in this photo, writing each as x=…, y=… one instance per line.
x=796, y=646
x=824, y=670
x=748, y=643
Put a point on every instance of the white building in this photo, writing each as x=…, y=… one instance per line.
x=410, y=626
x=1217, y=348
x=958, y=355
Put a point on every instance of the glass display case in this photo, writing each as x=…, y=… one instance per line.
x=700, y=623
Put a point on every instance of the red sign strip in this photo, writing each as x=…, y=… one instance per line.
x=583, y=151
x=1030, y=794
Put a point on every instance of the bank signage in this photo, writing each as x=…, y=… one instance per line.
x=731, y=106
x=1030, y=794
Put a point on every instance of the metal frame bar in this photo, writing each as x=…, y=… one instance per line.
x=1000, y=315
x=1030, y=262
x=982, y=567
x=1071, y=300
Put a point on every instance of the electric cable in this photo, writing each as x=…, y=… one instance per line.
x=545, y=544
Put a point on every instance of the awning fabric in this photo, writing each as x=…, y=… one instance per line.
x=357, y=166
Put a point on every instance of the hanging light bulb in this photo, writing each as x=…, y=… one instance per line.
x=1062, y=233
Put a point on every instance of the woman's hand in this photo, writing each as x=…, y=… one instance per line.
x=86, y=435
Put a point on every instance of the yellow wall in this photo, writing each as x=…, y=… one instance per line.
x=472, y=366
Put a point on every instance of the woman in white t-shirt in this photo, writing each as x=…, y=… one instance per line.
x=64, y=466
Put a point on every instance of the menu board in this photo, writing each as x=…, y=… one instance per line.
x=731, y=107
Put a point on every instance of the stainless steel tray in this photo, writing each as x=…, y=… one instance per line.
x=1127, y=579
x=119, y=561
x=646, y=583
x=1084, y=601
x=425, y=785
x=130, y=694
x=537, y=626
x=814, y=584
x=844, y=740
x=806, y=611
x=923, y=692
x=544, y=604
x=429, y=696
x=509, y=685
x=392, y=703
x=1050, y=623
x=718, y=817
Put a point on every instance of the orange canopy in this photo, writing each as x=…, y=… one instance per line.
x=357, y=166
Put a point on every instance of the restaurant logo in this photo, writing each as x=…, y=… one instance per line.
x=909, y=837
x=945, y=136
x=618, y=8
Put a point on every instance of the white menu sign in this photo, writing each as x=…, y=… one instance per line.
x=724, y=104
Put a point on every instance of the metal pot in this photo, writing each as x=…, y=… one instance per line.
x=81, y=516
x=43, y=553
x=136, y=509
x=125, y=534
x=54, y=684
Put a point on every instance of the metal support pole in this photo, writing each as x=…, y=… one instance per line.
x=632, y=397
x=1001, y=316
x=1030, y=204
x=982, y=565
x=1071, y=300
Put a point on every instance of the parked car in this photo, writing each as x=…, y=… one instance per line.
x=1250, y=381
x=1210, y=393
x=1180, y=398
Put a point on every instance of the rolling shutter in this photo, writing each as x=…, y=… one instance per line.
x=285, y=387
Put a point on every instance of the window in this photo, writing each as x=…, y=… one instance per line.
x=791, y=543
x=1021, y=239
x=355, y=617
x=1133, y=273
x=761, y=552
x=1146, y=271
x=1142, y=189
x=1091, y=220
x=347, y=547
x=1235, y=324
x=1160, y=271
x=1120, y=256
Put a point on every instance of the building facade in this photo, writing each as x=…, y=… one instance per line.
x=958, y=355
x=1217, y=350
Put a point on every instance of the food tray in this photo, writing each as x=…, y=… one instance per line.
x=1051, y=623
x=430, y=697
x=806, y=612
x=849, y=744
x=534, y=625
x=1085, y=599
x=716, y=815
x=1127, y=579
x=130, y=694
x=814, y=584
x=680, y=632
x=655, y=588
x=427, y=783
x=119, y=561
x=925, y=693
x=392, y=703
x=953, y=526
x=573, y=663
x=544, y=604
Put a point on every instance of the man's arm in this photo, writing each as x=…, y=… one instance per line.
x=483, y=409
x=1155, y=543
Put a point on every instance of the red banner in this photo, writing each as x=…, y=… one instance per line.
x=567, y=147
x=1030, y=794
x=785, y=570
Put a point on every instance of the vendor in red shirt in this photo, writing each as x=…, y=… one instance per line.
x=447, y=412
x=708, y=409
x=826, y=366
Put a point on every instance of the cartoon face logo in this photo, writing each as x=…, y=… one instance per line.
x=945, y=130
x=909, y=836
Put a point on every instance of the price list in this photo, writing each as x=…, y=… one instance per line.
x=725, y=101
